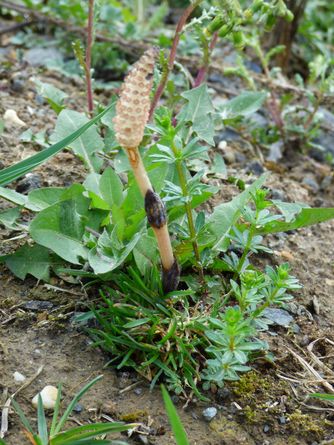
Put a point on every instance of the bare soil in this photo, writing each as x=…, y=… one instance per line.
x=269, y=406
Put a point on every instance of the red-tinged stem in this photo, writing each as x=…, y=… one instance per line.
x=203, y=71
x=172, y=55
x=90, y=26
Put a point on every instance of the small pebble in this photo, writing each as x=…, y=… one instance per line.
x=138, y=391
x=209, y=413
x=266, y=428
x=31, y=181
x=36, y=305
x=223, y=394
x=78, y=408
x=326, y=183
x=282, y=420
x=175, y=398
x=143, y=439
x=278, y=195
x=255, y=167
x=17, y=84
x=228, y=152
x=279, y=317
x=18, y=377
x=311, y=184
x=49, y=396
x=11, y=119
x=295, y=328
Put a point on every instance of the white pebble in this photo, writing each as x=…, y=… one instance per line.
x=18, y=377
x=11, y=118
x=49, y=397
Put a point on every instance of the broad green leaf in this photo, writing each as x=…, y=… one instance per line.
x=85, y=146
x=2, y=442
x=13, y=196
x=199, y=111
x=306, y=217
x=8, y=218
x=60, y=228
x=42, y=198
x=244, y=105
x=180, y=435
x=19, y=169
x=103, y=261
x=178, y=211
x=226, y=215
x=92, y=185
x=289, y=209
x=108, y=117
x=53, y=95
x=145, y=253
x=34, y=260
x=111, y=187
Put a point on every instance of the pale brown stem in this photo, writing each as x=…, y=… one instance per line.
x=139, y=170
x=144, y=183
x=165, y=246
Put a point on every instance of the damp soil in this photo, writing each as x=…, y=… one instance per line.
x=267, y=406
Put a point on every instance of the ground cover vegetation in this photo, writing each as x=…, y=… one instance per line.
x=185, y=303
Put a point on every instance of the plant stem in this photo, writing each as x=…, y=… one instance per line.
x=90, y=26
x=187, y=205
x=272, y=101
x=172, y=55
x=207, y=51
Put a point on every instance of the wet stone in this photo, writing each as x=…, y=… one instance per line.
x=17, y=85
x=311, y=184
x=78, y=408
x=279, y=317
x=266, y=428
x=30, y=182
x=282, y=420
x=38, y=56
x=36, y=305
x=278, y=195
x=255, y=167
x=223, y=394
x=209, y=413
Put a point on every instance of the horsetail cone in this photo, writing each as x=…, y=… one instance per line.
x=132, y=111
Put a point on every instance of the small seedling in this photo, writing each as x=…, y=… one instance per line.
x=56, y=435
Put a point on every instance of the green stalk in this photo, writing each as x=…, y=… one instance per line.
x=192, y=231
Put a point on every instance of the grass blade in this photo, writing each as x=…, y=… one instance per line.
x=75, y=400
x=327, y=397
x=177, y=427
x=22, y=417
x=19, y=169
x=56, y=411
x=41, y=422
x=89, y=431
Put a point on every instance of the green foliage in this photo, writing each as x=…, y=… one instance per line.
x=177, y=427
x=207, y=333
x=73, y=436
x=15, y=171
x=327, y=397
